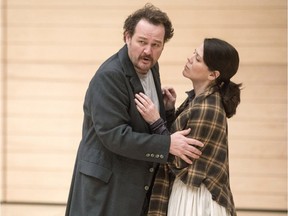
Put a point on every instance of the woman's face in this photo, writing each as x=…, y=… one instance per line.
x=195, y=68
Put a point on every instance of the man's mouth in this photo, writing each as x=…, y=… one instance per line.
x=146, y=59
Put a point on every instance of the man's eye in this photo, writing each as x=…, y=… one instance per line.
x=156, y=45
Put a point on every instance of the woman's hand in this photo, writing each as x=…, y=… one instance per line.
x=169, y=98
x=146, y=108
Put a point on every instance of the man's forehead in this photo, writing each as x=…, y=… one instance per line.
x=153, y=34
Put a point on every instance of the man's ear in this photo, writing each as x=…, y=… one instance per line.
x=214, y=75
x=127, y=37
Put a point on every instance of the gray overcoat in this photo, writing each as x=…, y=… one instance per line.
x=118, y=155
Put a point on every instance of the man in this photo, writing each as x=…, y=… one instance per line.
x=118, y=155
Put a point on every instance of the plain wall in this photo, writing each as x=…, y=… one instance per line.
x=51, y=49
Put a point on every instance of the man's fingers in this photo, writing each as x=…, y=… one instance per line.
x=194, y=142
x=190, y=152
x=184, y=132
x=193, y=153
x=190, y=140
x=186, y=159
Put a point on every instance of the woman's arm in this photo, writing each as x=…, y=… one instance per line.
x=146, y=108
x=150, y=114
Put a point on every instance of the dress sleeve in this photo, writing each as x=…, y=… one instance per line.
x=170, y=117
x=159, y=127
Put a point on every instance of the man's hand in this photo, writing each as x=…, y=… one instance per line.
x=183, y=147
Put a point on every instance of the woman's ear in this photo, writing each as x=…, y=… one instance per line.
x=214, y=75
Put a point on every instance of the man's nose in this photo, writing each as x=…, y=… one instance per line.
x=148, y=50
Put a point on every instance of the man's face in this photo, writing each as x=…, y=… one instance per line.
x=145, y=46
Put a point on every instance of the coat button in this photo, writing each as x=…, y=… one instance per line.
x=161, y=156
x=146, y=188
x=147, y=155
x=152, y=155
x=151, y=169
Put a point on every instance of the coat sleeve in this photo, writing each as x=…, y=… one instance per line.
x=118, y=125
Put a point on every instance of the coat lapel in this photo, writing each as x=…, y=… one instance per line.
x=134, y=79
x=129, y=70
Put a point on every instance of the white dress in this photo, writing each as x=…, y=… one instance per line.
x=193, y=201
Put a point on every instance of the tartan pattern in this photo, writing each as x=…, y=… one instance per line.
x=160, y=193
x=206, y=117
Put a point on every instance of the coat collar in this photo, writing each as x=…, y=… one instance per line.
x=129, y=70
x=132, y=76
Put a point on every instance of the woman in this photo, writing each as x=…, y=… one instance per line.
x=201, y=188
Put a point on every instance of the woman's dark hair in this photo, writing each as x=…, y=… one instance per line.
x=223, y=57
x=154, y=16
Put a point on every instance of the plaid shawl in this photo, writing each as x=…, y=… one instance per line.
x=206, y=117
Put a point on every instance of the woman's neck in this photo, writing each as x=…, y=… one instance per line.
x=199, y=88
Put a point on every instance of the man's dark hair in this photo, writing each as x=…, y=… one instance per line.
x=154, y=16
